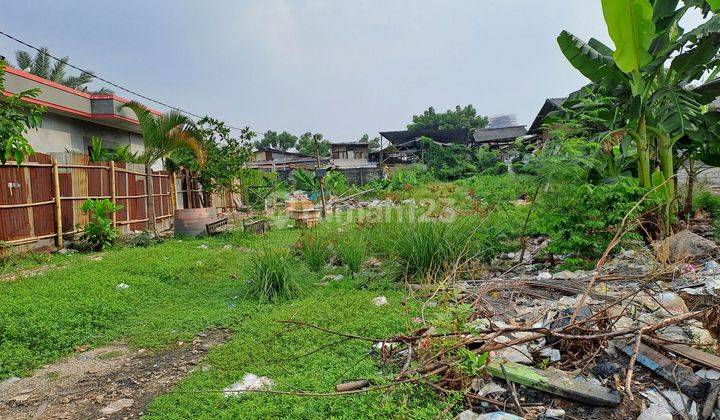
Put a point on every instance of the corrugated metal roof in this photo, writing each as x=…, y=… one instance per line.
x=459, y=135
x=494, y=134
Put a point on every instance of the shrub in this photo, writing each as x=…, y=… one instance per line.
x=336, y=183
x=314, y=249
x=581, y=219
x=99, y=232
x=272, y=278
x=351, y=250
x=708, y=202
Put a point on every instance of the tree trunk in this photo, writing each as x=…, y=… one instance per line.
x=150, y=199
x=687, y=208
x=666, y=165
x=643, y=155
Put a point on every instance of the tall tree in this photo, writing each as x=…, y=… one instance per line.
x=162, y=136
x=269, y=139
x=306, y=144
x=373, y=144
x=40, y=65
x=460, y=117
x=286, y=141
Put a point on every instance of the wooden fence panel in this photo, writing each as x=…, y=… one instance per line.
x=43, y=216
x=27, y=196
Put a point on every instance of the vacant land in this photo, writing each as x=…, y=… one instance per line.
x=184, y=287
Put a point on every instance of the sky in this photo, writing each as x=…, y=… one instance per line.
x=341, y=68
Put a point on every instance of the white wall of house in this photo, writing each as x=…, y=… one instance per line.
x=59, y=133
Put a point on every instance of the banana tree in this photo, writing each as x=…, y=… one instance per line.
x=661, y=101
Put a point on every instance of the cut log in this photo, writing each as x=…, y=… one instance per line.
x=352, y=386
x=555, y=382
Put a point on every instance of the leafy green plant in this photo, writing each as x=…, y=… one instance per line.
x=658, y=105
x=336, y=183
x=16, y=118
x=272, y=277
x=708, y=202
x=306, y=181
x=581, y=219
x=99, y=233
x=351, y=250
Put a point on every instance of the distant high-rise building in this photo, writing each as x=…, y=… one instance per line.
x=500, y=121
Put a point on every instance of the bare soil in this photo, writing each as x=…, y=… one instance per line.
x=111, y=382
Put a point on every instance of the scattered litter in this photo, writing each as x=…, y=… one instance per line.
x=333, y=277
x=491, y=388
x=497, y=415
x=249, y=382
x=122, y=286
x=203, y=246
x=380, y=301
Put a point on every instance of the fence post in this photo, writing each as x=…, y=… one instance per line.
x=150, y=202
x=58, y=204
x=113, y=194
x=173, y=192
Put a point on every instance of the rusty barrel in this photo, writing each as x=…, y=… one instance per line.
x=192, y=222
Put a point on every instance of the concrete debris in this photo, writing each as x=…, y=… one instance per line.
x=117, y=406
x=380, y=301
x=655, y=412
x=553, y=414
x=249, y=382
x=550, y=353
x=711, y=374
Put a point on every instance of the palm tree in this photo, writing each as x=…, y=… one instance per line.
x=162, y=135
x=40, y=66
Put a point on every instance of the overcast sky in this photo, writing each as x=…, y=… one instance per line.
x=342, y=68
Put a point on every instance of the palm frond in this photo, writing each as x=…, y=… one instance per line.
x=77, y=82
x=24, y=60
x=184, y=137
x=57, y=74
x=149, y=128
x=41, y=64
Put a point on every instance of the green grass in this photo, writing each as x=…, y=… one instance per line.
x=176, y=290
x=263, y=346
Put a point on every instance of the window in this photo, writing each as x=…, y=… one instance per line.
x=340, y=154
x=360, y=154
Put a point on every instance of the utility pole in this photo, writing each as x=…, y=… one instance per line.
x=317, y=172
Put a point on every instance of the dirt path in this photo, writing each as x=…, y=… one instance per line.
x=108, y=382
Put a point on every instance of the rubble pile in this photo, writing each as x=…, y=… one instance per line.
x=635, y=338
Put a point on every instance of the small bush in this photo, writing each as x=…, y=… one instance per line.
x=351, y=251
x=314, y=249
x=99, y=233
x=272, y=278
x=708, y=202
x=582, y=219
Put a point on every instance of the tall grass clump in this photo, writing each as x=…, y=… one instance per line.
x=314, y=248
x=427, y=249
x=272, y=277
x=351, y=250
